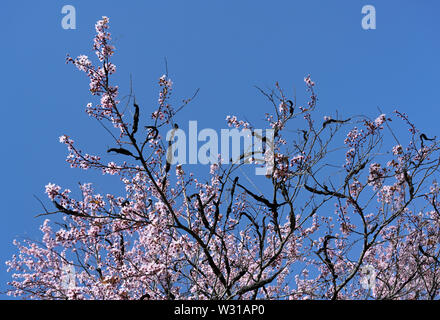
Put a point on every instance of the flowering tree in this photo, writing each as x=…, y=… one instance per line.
x=338, y=219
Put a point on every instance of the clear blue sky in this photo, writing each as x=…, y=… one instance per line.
x=222, y=47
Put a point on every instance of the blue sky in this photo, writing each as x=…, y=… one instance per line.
x=222, y=47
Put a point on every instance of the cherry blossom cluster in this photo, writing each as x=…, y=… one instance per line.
x=308, y=230
x=99, y=76
x=164, y=111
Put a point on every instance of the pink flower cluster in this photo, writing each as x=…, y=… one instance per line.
x=232, y=121
x=100, y=76
x=376, y=175
x=174, y=236
x=164, y=111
